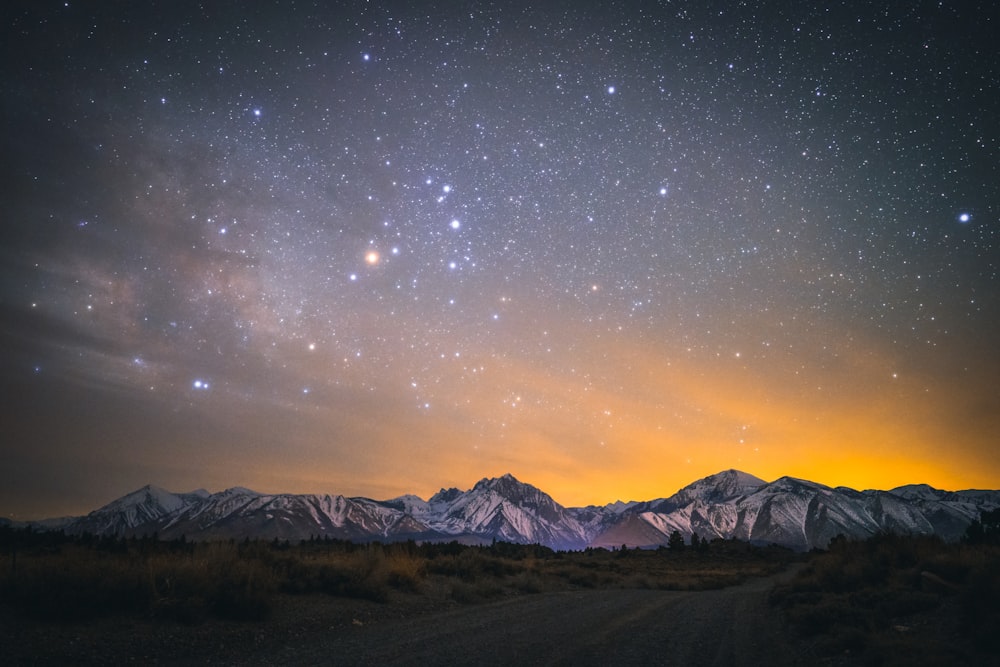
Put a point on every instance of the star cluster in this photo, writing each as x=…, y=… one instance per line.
x=378, y=248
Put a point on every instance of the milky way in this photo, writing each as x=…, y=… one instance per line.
x=377, y=248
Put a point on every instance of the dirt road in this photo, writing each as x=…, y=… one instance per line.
x=731, y=627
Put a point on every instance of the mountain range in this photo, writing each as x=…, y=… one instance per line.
x=791, y=512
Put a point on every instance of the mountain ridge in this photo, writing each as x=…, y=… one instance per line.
x=791, y=512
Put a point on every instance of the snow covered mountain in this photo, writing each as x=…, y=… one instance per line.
x=731, y=504
x=505, y=509
x=239, y=513
x=796, y=513
x=721, y=487
x=139, y=508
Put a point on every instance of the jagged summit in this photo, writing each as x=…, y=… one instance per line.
x=445, y=495
x=506, y=480
x=505, y=508
x=730, y=504
x=506, y=485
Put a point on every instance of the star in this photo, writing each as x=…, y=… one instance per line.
x=740, y=226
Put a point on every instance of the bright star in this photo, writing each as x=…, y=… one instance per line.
x=371, y=258
x=199, y=384
x=964, y=217
x=611, y=90
x=455, y=224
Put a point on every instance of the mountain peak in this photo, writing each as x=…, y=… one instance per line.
x=148, y=495
x=503, y=484
x=239, y=491
x=445, y=495
x=743, y=478
x=729, y=504
x=917, y=492
x=730, y=483
x=506, y=477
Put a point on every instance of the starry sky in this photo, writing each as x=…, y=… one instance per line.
x=374, y=248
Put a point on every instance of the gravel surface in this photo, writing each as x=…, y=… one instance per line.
x=732, y=627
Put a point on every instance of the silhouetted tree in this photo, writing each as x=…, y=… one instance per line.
x=984, y=530
x=676, y=541
x=695, y=541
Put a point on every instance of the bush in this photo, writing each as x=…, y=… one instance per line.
x=980, y=602
x=62, y=578
x=868, y=587
x=405, y=571
x=245, y=591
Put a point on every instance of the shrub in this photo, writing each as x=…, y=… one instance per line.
x=405, y=571
x=866, y=587
x=244, y=590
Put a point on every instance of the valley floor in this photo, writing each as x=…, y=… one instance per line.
x=732, y=626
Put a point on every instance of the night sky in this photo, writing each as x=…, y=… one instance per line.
x=380, y=248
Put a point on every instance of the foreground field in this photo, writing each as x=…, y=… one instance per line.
x=731, y=626
x=885, y=601
x=55, y=578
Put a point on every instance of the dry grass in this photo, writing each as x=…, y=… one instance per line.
x=55, y=578
x=892, y=596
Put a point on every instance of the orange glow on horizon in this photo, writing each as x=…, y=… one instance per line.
x=675, y=421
